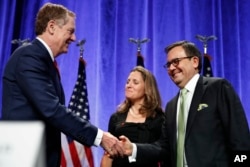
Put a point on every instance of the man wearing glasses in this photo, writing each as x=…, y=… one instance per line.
x=204, y=126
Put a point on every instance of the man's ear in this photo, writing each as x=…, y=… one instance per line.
x=195, y=61
x=51, y=26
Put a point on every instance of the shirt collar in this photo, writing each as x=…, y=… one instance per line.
x=47, y=47
x=190, y=86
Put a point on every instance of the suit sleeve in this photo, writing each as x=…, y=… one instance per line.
x=156, y=151
x=35, y=77
x=233, y=118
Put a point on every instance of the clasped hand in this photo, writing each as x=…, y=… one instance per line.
x=115, y=147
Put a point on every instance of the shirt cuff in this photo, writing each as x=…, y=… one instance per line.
x=132, y=158
x=98, y=138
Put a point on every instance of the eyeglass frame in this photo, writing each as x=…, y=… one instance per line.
x=175, y=62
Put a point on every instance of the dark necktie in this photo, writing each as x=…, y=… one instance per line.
x=181, y=129
x=57, y=69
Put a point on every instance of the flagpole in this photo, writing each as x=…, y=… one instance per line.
x=138, y=42
x=21, y=42
x=204, y=40
x=81, y=44
x=207, y=69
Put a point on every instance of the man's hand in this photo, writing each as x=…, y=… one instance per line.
x=126, y=145
x=110, y=145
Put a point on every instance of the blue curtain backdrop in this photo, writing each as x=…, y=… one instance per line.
x=108, y=24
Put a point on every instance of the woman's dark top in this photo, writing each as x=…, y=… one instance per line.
x=146, y=132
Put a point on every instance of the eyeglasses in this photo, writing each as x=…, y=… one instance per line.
x=175, y=62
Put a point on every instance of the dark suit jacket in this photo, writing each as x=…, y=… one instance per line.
x=32, y=91
x=212, y=131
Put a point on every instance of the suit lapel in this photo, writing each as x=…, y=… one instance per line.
x=53, y=71
x=57, y=83
x=171, y=117
x=198, y=93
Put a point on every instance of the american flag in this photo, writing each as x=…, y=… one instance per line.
x=207, y=68
x=140, y=59
x=75, y=154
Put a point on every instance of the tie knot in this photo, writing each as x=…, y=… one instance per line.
x=55, y=63
x=184, y=91
x=57, y=69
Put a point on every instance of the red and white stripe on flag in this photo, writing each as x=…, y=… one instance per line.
x=75, y=154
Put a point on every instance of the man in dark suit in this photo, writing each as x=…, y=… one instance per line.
x=215, y=124
x=32, y=88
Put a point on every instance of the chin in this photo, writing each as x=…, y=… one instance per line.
x=65, y=51
x=177, y=82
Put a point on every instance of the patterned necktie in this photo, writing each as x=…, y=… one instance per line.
x=181, y=129
x=57, y=69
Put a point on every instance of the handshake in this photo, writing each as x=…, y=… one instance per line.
x=116, y=147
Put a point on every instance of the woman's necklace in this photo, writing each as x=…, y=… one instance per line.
x=135, y=117
x=132, y=112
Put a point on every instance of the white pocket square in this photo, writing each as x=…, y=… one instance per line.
x=202, y=106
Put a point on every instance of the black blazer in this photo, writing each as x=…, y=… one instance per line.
x=216, y=126
x=32, y=91
x=146, y=132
